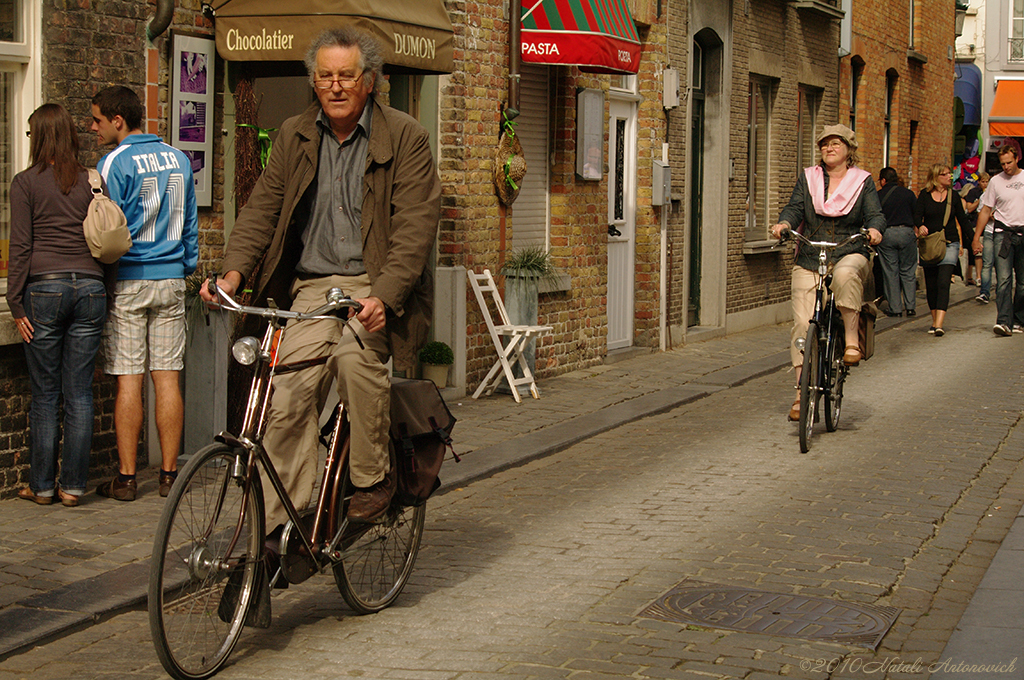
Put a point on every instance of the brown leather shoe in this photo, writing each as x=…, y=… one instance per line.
x=794, y=410
x=118, y=490
x=852, y=356
x=28, y=495
x=368, y=505
x=166, y=481
x=68, y=500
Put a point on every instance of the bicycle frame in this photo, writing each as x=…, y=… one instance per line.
x=254, y=427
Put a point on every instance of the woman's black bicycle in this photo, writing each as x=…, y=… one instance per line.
x=208, y=576
x=823, y=373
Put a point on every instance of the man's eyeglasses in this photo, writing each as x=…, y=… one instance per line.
x=345, y=82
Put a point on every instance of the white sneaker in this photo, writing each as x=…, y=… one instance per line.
x=1001, y=329
x=1018, y=329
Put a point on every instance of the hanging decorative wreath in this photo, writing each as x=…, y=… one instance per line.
x=509, y=163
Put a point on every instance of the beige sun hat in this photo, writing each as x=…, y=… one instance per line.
x=841, y=131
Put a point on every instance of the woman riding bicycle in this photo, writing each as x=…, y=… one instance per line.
x=832, y=200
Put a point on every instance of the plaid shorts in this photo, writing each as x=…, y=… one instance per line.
x=145, y=327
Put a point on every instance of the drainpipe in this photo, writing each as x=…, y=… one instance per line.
x=161, y=20
x=515, y=25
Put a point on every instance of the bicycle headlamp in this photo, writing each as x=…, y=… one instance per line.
x=246, y=350
x=799, y=344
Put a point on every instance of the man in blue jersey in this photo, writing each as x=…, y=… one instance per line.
x=152, y=182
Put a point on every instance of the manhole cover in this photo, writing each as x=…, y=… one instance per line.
x=759, y=611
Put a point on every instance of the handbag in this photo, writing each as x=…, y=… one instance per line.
x=932, y=248
x=421, y=429
x=105, y=226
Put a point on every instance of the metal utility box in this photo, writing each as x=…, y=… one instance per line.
x=661, y=192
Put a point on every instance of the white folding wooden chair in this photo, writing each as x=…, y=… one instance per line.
x=509, y=340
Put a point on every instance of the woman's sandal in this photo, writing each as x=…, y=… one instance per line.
x=794, y=410
x=852, y=356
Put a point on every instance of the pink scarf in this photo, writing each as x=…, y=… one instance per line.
x=842, y=198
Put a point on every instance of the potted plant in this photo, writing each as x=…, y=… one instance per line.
x=435, y=359
x=523, y=271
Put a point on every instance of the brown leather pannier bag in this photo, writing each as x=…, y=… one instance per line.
x=421, y=428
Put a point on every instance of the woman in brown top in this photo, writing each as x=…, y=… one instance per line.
x=57, y=298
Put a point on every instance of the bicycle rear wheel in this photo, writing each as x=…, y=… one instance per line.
x=377, y=559
x=835, y=376
x=199, y=592
x=809, y=381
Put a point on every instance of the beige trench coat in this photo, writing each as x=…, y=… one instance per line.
x=401, y=210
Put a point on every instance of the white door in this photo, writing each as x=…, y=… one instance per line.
x=622, y=121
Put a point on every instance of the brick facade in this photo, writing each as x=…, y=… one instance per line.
x=84, y=49
x=89, y=47
x=475, y=230
x=924, y=87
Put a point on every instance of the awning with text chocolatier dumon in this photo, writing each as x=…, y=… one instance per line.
x=417, y=35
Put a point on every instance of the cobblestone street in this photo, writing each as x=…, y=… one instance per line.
x=540, y=571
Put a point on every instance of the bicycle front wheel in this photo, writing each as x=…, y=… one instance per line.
x=206, y=558
x=377, y=559
x=809, y=381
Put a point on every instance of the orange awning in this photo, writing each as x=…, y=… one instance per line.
x=1006, y=118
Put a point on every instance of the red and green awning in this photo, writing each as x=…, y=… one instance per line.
x=596, y=35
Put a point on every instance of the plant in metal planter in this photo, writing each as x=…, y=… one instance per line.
x=524, y=270
x=435, y=359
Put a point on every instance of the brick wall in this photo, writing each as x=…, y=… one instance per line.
x=924, y=92
x=87, y=47
x=800, y=46
x=471, y=232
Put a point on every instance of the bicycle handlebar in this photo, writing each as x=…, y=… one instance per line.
x=336, y=300
x=789, y=233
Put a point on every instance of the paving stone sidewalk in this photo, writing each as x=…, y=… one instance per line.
x=62, y=569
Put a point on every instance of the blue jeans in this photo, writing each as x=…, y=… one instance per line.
x=67, y=317
x=1009, y=283
x=987, y=255
x=898, y=255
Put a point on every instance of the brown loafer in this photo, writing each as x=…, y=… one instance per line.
x=852, y=356
x=794, y=411
x=367, y=505
x=68, y=500
x=166, y=481
x=29, y=495
x=118, y=490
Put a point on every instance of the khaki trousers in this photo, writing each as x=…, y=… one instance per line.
x=848, y=278
x=363, y=385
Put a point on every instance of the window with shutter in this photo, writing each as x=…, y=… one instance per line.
x=529, y=215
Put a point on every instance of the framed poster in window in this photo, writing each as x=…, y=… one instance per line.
x=191, y=108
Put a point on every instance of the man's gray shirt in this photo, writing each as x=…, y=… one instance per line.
x=332, y=241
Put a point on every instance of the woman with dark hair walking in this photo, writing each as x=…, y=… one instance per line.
x=58, y=300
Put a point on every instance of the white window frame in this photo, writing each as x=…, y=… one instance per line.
x=24, y=59
x=1015, y=44
x=807, y=150
x=623, y=83
x=759, y=170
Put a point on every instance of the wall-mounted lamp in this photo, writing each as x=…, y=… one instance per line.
x=961, y=14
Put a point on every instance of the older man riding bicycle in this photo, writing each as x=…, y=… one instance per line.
x=350, y=198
